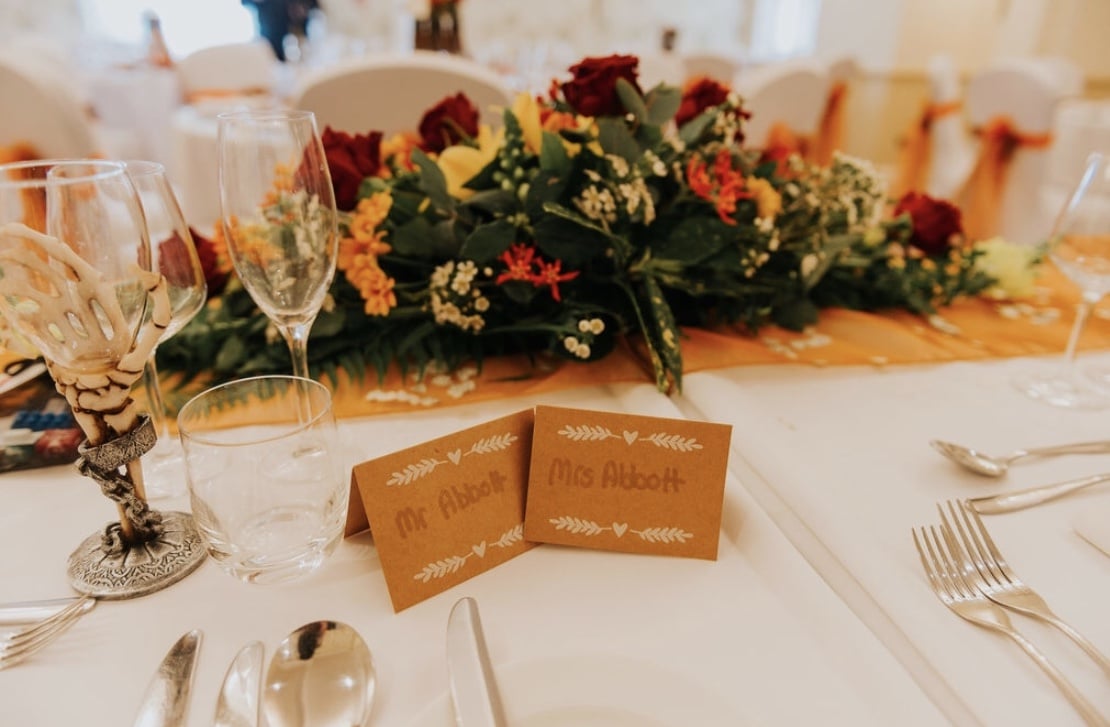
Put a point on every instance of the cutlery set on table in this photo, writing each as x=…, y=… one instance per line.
x=968, y=573
x=321, y=675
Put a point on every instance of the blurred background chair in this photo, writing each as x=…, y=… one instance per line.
x=786, y=101
x=718, y=66
x=40, y=112
x=937, y=152
x=228, y=71
x=391, y=93
x=1012, y=107
x=830, y=131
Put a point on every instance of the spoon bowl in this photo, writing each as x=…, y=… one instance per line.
x=996, y=466
x=321, y=675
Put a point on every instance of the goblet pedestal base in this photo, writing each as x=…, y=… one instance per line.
x=142, y=568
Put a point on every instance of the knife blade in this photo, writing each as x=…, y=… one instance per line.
x=237, y=705
x=474, y=692
x=167, y=695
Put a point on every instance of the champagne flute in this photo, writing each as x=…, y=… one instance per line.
x=279, y=217
x=175, y=256
x=76, y=281
x=1080, y=248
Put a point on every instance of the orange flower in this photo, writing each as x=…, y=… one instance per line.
x=283, y=182
x=397, y=149
x=551, y=274
x=724, y=187
x=375, y=287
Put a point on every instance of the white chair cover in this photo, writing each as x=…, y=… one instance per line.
x=1026, y=92
x=952, y=150
x=234, y=68
x=39, y=109
x=791, y=93
x=719, y=67
x=390, y=93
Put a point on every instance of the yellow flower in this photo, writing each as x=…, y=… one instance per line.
x=1013, y=266
x=375, y=287
x=526, y=109
x=768, y=201
x=459, y=163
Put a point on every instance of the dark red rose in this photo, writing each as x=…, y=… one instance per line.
x=350, y=160
x=215, y=275
x=698, y=95
x=592, y=89
x=448, y=122
x=936, y=222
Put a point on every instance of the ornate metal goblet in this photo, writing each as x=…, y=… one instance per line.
x=76, y=281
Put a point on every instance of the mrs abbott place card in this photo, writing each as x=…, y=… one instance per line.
x=446, y=510
x=630, y=483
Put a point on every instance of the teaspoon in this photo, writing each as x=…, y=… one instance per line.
x=321, y=675
x=985, y=464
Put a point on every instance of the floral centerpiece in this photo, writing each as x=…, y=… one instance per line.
x=599, y=213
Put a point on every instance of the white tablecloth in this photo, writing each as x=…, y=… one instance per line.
x=840, y=459
x=757, y=632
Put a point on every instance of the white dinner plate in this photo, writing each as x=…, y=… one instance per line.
x=597, y=690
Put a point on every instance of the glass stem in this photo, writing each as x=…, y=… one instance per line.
x=1082, y=313
x=155, y=401
x=296, y=335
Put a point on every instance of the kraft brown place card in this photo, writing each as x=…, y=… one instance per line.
x=446, y=510
x=629, y=483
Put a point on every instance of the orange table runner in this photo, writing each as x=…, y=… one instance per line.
x=972, y=329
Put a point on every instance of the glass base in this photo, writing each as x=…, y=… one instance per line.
x=1063, y=388
x=141, y=569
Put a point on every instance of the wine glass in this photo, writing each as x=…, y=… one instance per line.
x=76, y=281
x=1080, y=248
x=175, y=256
x=279, y=217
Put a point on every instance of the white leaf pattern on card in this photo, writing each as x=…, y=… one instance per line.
x=577, y=526
x=674, y=442
x=440, y=568
x=587, y=433
x=581, y=526
x=497, y=443
x=510, y=537
x=664, y=535
x=413, y=472
x=446, y=566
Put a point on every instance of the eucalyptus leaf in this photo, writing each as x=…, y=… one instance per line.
x=553, y=155
x=615, y=138
x=662, y=104
x=694, y=239
x=569, y=240
x=432, y=181
x=632, y=100
x=488, y=241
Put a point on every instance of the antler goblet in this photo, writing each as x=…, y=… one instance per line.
x=76, y=281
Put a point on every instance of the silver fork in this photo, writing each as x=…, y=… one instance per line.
x=997, y=580
x=18, y=645
x=947, y=580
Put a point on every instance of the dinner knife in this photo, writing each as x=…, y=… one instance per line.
x=237, y=705
x=474, y=692
x=1021, y=499
x=167, y=695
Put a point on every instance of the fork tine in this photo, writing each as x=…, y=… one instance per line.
x=32, y=632
x=976, y=524
x=968, y=549
x=13, y=653
x=953, y=584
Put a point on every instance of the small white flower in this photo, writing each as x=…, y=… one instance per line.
x=582, y=351
x=596, y=326
x=584, y=326
x=570, y=343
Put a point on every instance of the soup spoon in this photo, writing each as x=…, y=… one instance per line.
x=985, y=464
x=320, y=676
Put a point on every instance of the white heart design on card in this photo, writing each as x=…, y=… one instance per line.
x=619, y=529
x=630, y=437
x=455, y=456
x=479, y=549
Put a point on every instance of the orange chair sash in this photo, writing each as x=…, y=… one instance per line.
x=916, y=153
x=217, y=94
x=782, y=141
x=830, y=132
x=981, y=197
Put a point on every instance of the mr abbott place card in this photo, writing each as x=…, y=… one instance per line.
x=629, y=483
x=445, y=510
